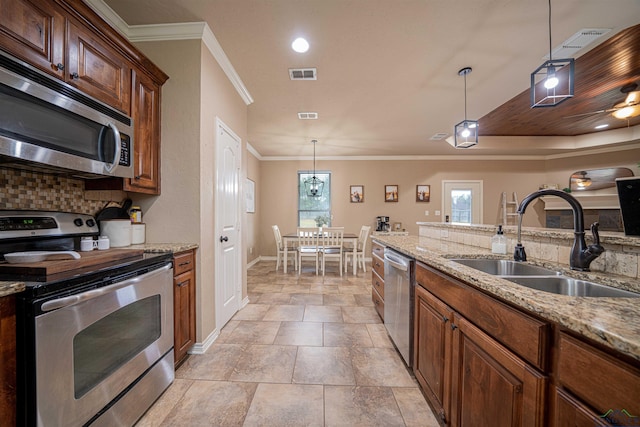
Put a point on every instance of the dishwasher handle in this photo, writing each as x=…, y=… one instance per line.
x=396, y=262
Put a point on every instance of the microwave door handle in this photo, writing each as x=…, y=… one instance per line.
x=117, y=143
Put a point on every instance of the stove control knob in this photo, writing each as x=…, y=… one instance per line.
x=78, y=222
x=91, y=223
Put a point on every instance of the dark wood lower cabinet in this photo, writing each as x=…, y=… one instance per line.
x=7, y=361
x=481, y=362
x=491, y=386
x=184, y=303
x=432, y=357
x=570, y=412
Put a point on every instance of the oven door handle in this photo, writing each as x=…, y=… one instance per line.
x=94, y=293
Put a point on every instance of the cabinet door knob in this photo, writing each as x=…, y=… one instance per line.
x=453, y=327
x=224, y=239
x=74, y=75
x=445, y=319
x=60, y=66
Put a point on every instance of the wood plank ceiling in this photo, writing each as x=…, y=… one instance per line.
x=599, y=75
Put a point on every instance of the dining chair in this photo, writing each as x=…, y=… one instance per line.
x=359, y=253
x=307, y=245
x=280, y=249
x=332, y=239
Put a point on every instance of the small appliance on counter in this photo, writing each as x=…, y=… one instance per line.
x=118, y=231
x=383, y=223
x=629, y=196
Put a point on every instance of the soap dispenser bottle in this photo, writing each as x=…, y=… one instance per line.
x=499, y=242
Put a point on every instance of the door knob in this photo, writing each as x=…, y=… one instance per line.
x=224, y=239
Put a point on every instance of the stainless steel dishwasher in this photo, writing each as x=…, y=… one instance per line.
x=398, y=302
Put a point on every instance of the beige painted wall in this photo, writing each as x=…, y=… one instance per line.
x=196, y=93
x=253, y=226
x=278, y=189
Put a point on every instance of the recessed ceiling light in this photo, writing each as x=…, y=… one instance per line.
x=602, y=126
x=300, y=45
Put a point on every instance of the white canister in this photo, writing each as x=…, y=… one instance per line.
x=138, y=233
x=117, y=230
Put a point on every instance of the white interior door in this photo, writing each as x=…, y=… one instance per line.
x=228, y=255
x=462, y=202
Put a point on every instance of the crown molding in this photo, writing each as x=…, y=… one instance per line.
x=180, y=31
x=253, y=151
x=509, y=157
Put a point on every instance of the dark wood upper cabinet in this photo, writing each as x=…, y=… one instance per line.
x=97, y=69
x=34, y=32
x=67, y=39
x=145, y=112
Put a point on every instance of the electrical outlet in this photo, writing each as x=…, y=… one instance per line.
x=437, y=213
x=426, y=213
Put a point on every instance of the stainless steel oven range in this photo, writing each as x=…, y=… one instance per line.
x=95, y=342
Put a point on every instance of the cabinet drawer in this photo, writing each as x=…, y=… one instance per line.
x=525, y=335
x=182, y=262
x=378, y=303
x=378, y=266
x=598, y=379
x=377, y=249
x=377, y=283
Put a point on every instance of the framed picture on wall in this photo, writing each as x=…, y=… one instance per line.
x=356, y=193
x=390, y=193
x=250, y=196
x=422, y=193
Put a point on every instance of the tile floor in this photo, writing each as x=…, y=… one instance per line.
x=305, y=351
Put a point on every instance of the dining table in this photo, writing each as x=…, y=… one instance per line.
x=289, y=238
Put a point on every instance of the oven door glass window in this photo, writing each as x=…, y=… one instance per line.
x=106, y=345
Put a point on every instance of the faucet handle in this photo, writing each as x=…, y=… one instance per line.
x=595, y=234
x=519, y=254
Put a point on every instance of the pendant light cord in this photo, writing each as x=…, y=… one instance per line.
x=465, y=97
x=549, y=30
x=314, y=158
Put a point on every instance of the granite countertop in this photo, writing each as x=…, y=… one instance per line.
x=9, y=288
x=165, y=247
x=606, y=237
x=613, y=322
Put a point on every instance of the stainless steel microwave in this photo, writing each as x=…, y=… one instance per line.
x=47, y=125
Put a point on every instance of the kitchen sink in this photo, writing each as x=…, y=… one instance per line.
x=543, y=279
x=503, y=267
x=573, y=287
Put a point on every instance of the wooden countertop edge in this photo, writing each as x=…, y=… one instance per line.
x=14, y=287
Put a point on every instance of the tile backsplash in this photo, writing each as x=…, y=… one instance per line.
x=36, y=191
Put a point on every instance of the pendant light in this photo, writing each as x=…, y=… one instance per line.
x=313, y=186
x=552, y=82
x=466, y=132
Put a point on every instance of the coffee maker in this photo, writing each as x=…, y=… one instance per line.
x=382, y=223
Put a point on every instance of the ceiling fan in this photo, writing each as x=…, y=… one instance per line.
x=627, y=109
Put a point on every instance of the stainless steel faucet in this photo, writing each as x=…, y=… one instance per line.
x=581, y=254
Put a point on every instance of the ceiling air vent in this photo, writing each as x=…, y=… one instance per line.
x=308, y=116
x=303, y=74
x=578, y=41
x=439, y=136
